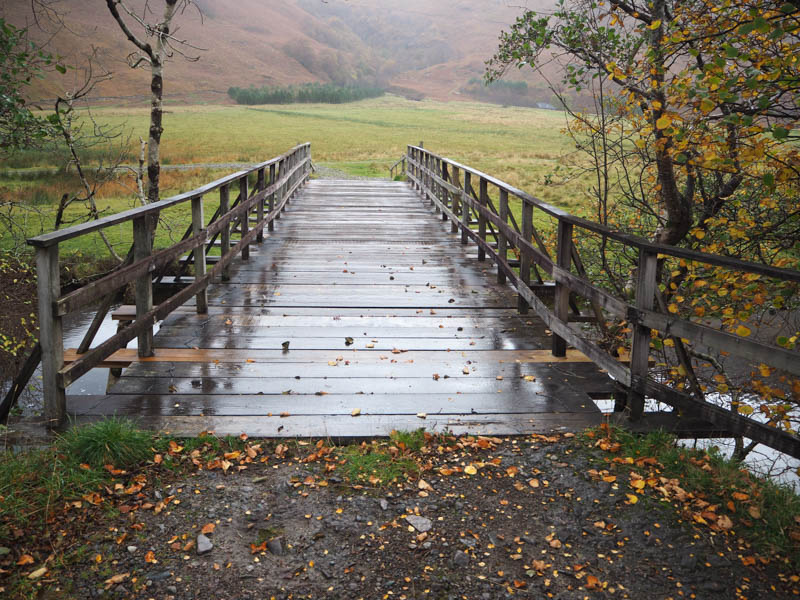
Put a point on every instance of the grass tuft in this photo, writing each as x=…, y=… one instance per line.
x=383, y=462
x=111, y=441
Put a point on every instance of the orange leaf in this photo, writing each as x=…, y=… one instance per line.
x=262, y=547
x=208, y=528
x=25, y=559
x=150, y=557
x=592, y=582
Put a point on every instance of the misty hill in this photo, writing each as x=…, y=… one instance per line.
x=419, y=48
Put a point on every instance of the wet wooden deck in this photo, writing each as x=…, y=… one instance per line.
x=385, y=313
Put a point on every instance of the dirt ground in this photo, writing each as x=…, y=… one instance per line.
x=528, y=517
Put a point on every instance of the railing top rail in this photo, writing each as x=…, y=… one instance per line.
x=54, y=237
x=625, y=238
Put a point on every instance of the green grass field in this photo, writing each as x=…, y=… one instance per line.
x=519, y=145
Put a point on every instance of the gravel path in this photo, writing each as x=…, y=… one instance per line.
x=522, y=517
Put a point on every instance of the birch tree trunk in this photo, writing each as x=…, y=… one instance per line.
x=154, y=54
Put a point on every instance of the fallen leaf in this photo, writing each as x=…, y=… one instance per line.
x=422, y=415
x=356, y=412
x=25, y=559
x=150, y=557
x=529, y=378
x=470, y=470
x=348, y=341
x=424, y=485
x=632, y=498
x=37, y=573
x=208, y=528
x=592, y=582
x=116, y=579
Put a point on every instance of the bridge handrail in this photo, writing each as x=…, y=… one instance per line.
x=277, y=180
x=61, y=235
x=438, y=179
x=625, y=238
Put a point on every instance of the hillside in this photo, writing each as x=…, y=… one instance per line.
x=429, y=48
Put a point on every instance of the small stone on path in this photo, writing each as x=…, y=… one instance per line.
x=275, y=547
x=204, y=544
x=421, y=524
x=461, y=559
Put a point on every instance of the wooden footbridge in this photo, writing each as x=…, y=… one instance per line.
x=352, y=308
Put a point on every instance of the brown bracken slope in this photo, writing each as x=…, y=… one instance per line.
x=427, y=48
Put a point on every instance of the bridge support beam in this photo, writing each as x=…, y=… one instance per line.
x=51, y=334
x=243, y=192
x=198, y=227
x=260, y=185
x=465, y=208
x=525, y=257
x=143, y=288
x=561, y=304
x=502, y=242
x=225, y=234
x=640, y=351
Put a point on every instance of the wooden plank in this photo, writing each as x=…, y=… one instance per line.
x=337, y=427
x=247, y=356
x=334, y=404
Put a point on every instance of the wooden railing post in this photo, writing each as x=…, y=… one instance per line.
x=271, y=224
x=441, y=191
x=198, y=227
x=143, y=289
x=561, y=303
x=282, y=187
x=426, y=178
x=483, y=200
x=524, y=256
x=640, y=350
x=260, y=186
x=245, y=216
x=465, y=207
x=502, y=243
x=225, y=234
x=454, y=199
x=51, y=334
